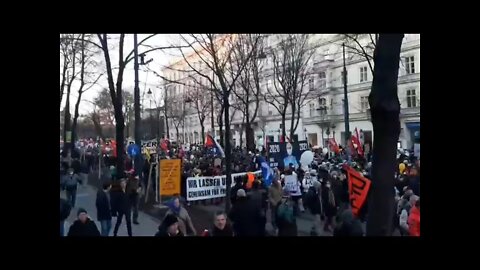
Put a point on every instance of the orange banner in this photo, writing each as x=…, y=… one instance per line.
x=358, y=187
x=170, y=173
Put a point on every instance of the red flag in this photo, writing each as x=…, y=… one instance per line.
x=358, y=143
x=334, y=146
x=164, y=145
x=358, y=187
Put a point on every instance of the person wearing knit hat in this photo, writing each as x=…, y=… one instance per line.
x=83, y=226
x=169, y=227
x=241, y=193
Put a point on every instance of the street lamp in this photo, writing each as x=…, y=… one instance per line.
x=151, y=116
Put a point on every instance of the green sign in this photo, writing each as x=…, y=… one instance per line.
x=68, y=136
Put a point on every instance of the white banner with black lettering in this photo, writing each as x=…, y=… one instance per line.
x=207, y=187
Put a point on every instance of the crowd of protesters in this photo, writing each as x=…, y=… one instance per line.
x=322, y=191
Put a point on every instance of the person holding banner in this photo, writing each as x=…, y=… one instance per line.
x=290, y=159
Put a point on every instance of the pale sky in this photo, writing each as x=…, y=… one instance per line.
x=146, y=79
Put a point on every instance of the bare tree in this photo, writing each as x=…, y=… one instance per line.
x=176, y=113
x=201, y=104
x=248, y=91
x=86, y=60
x=353, y=42
x=291, y=69
x=216, y=53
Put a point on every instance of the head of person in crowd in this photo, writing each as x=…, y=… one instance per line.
x=413, y=199
x=241, y=194
x=170, y=222
x=82, y=215
x=71, y=171
x=220, y=220
x=123, y=183
x=413, y=171
x=106, y=186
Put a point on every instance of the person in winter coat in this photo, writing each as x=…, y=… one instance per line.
x=121, y=206
x=220, y=226
x=70, y=183
x=274, y=198
x=65, y=209
x=184, y=220
x=104, y=209
x=414, y=219
x=286, y=220
x=83, y=226
x=133, y=192
x=329, y=205
x=348, y=225
x=169, y=227
x=314, y=204
x=245, y=216
x=238, y=185
x=258, y=199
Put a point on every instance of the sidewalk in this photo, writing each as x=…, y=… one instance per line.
x=86, y=196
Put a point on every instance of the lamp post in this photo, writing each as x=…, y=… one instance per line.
x=345, y=104
x=149, y=93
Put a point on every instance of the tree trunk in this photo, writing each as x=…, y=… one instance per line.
x=97, y=126
x=292, y=123
x=120, y=138
x=241, y=136
x=284, y=130
x=385, y=110
x=250, y=137
x=228, y=151
x=178, y=134
x=323, y=140
x=75, y=120
x=203, y=131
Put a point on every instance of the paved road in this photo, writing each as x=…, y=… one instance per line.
x=86, y=196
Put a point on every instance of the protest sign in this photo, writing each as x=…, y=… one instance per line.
x=281, y=154
x=291, y=183
x=170, y=171
x=203, y=188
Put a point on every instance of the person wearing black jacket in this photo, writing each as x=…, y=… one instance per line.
x=104, y=210
x=239, y=184
x=121, y=206
x=65, y=209
x=83, y=226
x=169, y=227
x=221, y=227
x=245, y=216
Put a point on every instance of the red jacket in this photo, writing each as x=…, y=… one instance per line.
x=414, y=222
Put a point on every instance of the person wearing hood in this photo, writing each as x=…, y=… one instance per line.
x=348, y=225
x=286, y=220
x=245, y=216
x=169, y=227
x=83, y=226
x=184, y=220
x=220, y=226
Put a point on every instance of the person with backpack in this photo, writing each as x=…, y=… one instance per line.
x=65, y=209
x=286, y=220
x=245, y=216
x=70, y=183
x=184, y=221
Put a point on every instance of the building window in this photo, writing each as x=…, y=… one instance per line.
x=323, y=106
x=410, y=64
x=364, y=103
x=363, y=74
x=311, y=83
x=411, y=98
x=343, y=78
x=322, y=80
x=312, y=109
